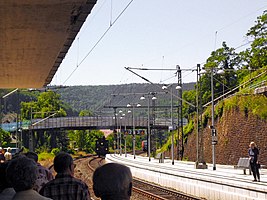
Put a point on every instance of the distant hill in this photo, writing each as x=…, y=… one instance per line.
x=94, y=98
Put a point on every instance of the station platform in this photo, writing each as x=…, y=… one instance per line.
x=224, y=183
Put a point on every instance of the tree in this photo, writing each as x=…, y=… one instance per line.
x=4, y=137
x=80, y=135
x=47, y=103
x=80, y=138
x=189, y=96
x=87, y=113
x=91, y=138
x=255, y=57
x=224, y=58
x=85, y=139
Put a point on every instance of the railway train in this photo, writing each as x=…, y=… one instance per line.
x=101, y=148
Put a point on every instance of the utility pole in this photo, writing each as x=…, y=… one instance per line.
x=180, y=108
x=200, y=161
x=213, y=130
x=115, y=128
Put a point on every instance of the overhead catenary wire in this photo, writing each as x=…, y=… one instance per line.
x=129, y=69
x=219, y=30
x=235, y=88
x=99, y=40
x=92, y=18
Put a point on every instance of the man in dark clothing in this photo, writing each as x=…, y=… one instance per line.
x=6, y=190
x=65, y=186
x=253, y=153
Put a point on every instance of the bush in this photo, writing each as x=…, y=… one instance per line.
x=205, y=117
x=71, y=151
x=45, y=156
x=189, y=127
x=252, y=104
x=55, y=151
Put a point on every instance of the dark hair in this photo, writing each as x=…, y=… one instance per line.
x=22, y=173
x=62, y=162
x=3, y=180
x=32, y=155
x=111, y=180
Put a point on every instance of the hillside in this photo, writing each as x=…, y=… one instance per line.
x=94, y=98
x=236, y=128
x=238, y=120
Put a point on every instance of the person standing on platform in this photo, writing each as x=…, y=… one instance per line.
x=8, y=155
x=65, y=186
x=44, y=174
x=113, y=181
x=22, y=172
x=253, y=153
x=2, y=157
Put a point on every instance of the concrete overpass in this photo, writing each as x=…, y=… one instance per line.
x=35, y=36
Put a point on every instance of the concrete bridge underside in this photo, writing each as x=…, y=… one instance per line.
x=35, y=36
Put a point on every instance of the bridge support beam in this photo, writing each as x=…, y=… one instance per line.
x=53, y=139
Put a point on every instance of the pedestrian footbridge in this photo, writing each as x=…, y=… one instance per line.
x=87, y=123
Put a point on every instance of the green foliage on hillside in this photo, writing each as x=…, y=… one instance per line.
x=84, y=139
x=243, y=72
x=255, y=104
x=95, y=98
x=4, y=138
x=47, y=103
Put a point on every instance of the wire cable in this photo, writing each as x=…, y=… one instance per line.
x=90, y=51
x=220, y=29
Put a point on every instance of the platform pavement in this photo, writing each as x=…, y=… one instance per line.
x=233, y=183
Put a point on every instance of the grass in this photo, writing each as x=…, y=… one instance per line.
x=252, y=104
x=46, y=159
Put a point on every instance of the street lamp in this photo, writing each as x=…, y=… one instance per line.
x=115, y=143
x=119, y=138
x=125, y=134
x=148, y=123
x=214, y=139
x=213, y=130
x=133, y=105
x=171, y=128
x=121, y=117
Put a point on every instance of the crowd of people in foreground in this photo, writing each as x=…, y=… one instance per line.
x=22, y=177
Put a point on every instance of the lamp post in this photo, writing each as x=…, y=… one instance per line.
x=172, y=127
x=213, y=130
x=115, y=129
x=125, y=149
x=120, y=135
x=148, y=123
x=129, y=111
x=214, y=139
x=133, y=105
x=200, y=161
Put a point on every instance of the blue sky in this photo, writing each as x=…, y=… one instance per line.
x=154, y=34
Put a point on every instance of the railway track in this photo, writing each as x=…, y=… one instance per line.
x=145, y=190
x=95, y=162
x=157, y=192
